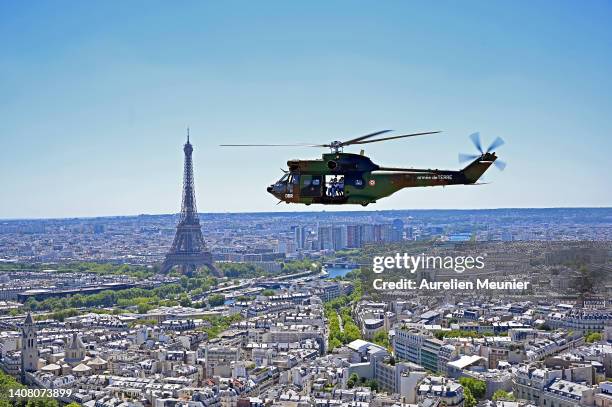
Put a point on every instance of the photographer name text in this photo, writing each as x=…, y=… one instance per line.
x=458, y=264
x=453, y=284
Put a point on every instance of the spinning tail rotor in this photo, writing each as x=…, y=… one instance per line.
x=475, y=137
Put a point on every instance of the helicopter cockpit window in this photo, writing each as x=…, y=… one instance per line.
x=281, y=185
x=292, y=180
x=334, y=186
x=308, y=181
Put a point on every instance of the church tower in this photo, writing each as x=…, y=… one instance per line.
x=75, y=352
x=29, y=347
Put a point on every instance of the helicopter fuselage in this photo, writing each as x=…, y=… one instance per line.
x=344, y=178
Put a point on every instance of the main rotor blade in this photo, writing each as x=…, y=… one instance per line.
x=353, y=141
x=468, y=157
x=496, y=143
x=501, y=165
x=394, y=137
x=272, y=145
x=358, y=140
x=476, y=140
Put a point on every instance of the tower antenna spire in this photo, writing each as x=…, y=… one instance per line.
x=187, y=135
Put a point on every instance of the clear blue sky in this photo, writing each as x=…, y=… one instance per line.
x=95, y=98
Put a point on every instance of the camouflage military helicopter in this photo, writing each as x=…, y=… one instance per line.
x=340, y=178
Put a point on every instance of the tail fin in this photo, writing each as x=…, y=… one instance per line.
x=476, y=168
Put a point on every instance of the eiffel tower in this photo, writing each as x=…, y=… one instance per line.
x=188, y=249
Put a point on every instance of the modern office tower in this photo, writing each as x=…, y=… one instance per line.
x=417, y=347
x=367, y=233
x=429, y=353
x=407, y=344
x=325, y=238
x=339, y=237
x=188, y=249
x=300, y=237
x=383, y=232
x=353, y=236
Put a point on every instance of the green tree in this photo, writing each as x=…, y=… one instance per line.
x=477, y=388
x=61, y=315
x=185, y=301
x=351, y=332
x=268, y=292
x=352, y=380
x=220, y=324
x=334, y=343
x=372, y=384
x=7, y=383
x=245, y=270
x=42, y=402
x=216, y=299
x=469, y=400
x=503, y=395
x=197, y=291
x=382, y=338
x=593, y=337
x=455, y=333
x=144, y=308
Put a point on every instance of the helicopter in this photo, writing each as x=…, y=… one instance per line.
x=340, y=178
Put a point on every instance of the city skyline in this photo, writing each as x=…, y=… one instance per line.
x=305, y=212
x=148, y=238
x=94, y=115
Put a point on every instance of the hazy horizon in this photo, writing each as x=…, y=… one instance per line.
x=339, y=210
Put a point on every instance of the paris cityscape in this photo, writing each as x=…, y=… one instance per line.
x=278, y=309
x=305, y=203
